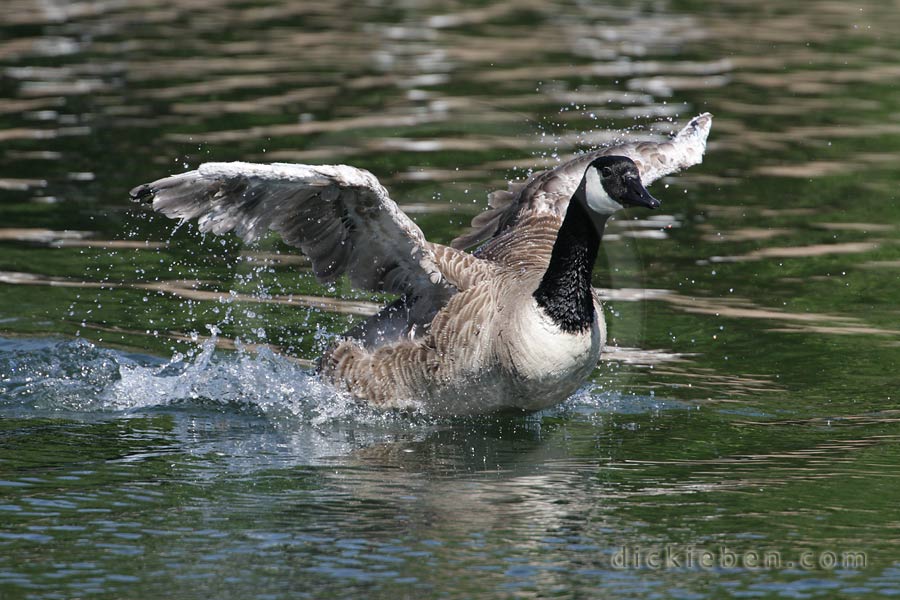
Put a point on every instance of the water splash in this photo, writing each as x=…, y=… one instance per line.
x=77, y=376
x=593, y=400
x=64, y=376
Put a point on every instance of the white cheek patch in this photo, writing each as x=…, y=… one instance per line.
x=597, y=198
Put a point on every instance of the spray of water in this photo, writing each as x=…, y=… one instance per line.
x=78, y=376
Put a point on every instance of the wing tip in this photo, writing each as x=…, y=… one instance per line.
x=699, y=126
x=142, y=193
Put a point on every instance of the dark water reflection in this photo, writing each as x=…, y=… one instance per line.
x=748, y=404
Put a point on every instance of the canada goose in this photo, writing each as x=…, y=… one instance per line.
x=516, y=324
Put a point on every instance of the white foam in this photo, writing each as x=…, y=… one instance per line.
x=79, y=376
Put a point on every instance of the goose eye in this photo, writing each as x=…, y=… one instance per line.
x=606, y=172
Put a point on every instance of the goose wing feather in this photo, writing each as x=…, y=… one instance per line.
x=547, y=193
x=341, y=217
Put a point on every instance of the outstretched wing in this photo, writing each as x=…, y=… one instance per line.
x=339, y=216
x=544, y=197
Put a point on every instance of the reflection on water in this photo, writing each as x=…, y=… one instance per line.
x=748, y=401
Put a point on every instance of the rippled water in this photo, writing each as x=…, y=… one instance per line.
x=159, y=425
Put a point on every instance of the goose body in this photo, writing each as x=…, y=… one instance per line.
x=514, y=324
x=491, y=347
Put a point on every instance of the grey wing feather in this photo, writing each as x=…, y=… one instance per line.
x=339, y=216
x=548, y=192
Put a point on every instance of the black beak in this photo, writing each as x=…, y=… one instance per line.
x=637, y=195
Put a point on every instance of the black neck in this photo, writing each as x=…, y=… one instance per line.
x=565, y=291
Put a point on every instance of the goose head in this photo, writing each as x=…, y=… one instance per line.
x=612, y=183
